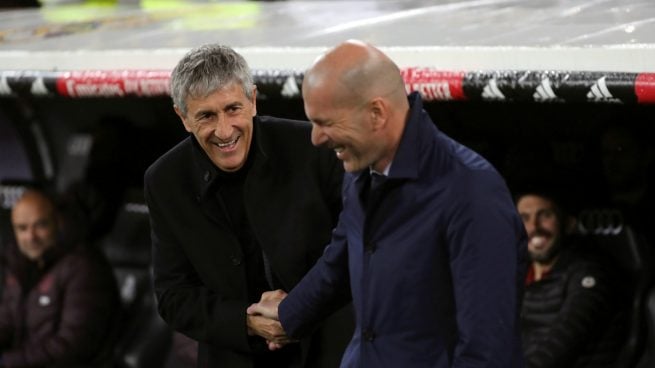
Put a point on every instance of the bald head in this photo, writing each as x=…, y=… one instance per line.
x=34, y=221
x=355, y=72
x=355, y=97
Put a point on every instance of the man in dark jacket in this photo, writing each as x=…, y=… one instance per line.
x=59, y=302
x=569, y=300
x=429, y=240
x=244, y=205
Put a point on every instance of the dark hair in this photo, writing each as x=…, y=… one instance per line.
x=561, y=209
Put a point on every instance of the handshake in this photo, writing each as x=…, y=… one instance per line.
x=262, y=320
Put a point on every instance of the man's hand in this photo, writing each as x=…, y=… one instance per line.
x=267, y=306
x=263, y=320
x=269, y=329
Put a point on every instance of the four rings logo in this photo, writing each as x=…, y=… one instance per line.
x=9, y=194
x=600, y=222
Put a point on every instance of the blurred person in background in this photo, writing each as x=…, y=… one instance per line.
x=60, y=299
x=570, y=296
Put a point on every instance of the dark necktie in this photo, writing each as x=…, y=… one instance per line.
x=376, y=181
x=373, y=191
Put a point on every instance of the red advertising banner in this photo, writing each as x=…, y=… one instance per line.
x=143, y=83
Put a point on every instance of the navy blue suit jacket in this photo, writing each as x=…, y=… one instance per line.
x=435, y=263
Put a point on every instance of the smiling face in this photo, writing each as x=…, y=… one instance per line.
x=543, y=226
x=222, y=124
x=355, y=98
x=346, y=129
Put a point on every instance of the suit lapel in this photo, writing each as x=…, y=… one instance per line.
x=265, y=200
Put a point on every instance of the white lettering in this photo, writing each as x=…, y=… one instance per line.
x=433, y=91
x=98, y=89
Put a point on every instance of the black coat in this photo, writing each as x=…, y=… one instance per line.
x=568, y=316
x=292, y=201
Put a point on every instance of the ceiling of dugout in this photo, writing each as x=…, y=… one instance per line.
x=586, y=35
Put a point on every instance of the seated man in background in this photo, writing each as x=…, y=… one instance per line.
x=59, y=299
x=569, y=300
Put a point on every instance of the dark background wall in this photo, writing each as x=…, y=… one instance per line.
x=555, y=144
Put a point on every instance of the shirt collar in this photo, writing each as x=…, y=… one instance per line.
x=407, y=155
x=384, y=172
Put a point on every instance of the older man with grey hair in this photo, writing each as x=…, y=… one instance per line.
x=243, y=205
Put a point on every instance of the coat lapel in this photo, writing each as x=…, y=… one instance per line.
x=264, y=203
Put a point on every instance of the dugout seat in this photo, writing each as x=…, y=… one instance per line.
x=144, y=338
x=631, y=255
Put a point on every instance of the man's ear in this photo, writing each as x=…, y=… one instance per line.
x=379, y=113
x=254, y=100
x=187, y=126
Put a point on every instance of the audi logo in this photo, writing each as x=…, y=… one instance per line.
x=600, y=222
x=9, y=194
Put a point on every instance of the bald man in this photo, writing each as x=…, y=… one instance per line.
x=428, y=243
x=59, y=302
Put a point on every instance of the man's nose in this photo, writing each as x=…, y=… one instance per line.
x=531, y=225
x=318, y=136
x=31, y=234
x=222, y=130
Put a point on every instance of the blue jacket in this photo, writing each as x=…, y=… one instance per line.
x=435, y=265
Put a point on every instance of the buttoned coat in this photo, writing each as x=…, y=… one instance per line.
x=292, y=201
x=435, y=261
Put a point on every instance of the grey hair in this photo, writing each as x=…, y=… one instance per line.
x=206, y=69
